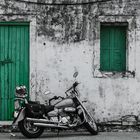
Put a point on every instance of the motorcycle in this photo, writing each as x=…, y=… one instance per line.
x=67, y=113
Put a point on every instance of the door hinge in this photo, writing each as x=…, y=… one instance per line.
x=6, y=61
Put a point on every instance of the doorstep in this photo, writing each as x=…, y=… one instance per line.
x=5, y=126
x=2, y=123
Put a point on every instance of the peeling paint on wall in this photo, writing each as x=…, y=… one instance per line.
x=65, y=39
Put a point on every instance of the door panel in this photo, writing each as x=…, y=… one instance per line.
x=14, y=64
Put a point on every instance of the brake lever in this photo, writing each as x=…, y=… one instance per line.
x=84, y=101
x=55, y=97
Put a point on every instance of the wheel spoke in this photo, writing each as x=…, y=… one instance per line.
x=29, y=126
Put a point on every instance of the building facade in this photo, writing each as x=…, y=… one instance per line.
x=44, y=42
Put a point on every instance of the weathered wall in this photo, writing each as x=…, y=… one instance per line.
x=65, y=39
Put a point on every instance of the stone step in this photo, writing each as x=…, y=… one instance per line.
x=2, y=123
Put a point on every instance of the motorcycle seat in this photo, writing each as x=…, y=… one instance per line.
x=33, y=102
x=49, y=108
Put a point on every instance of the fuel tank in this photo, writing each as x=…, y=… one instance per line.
x=65, y=103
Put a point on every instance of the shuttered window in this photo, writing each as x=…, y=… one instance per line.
x=113, y=48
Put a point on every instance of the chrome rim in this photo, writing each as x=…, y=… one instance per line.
x=30, y=127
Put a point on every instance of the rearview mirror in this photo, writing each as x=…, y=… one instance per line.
x=75, y=74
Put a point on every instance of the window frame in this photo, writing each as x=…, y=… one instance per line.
x=116, y=24
x=130, y=46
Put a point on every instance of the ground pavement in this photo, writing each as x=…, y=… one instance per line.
x=77, y=136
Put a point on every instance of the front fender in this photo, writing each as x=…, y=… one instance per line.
x=82, y=114
x=20, y=117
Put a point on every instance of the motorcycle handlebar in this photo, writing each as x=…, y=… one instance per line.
x=75, y=84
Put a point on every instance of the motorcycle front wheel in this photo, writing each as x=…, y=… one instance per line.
x=91, y=126
x=29, y=130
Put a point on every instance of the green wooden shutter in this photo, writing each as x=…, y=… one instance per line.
x=14, y=64
x=113, y=48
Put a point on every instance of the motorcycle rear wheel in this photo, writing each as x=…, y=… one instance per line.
x=29, y=130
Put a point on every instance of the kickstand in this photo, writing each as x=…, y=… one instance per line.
x=10, y=131
x=12, y=134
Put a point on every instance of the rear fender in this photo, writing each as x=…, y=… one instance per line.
x=20, y=116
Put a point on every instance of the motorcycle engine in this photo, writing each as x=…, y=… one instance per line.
x=65, y=120
x=66, y=116
x=70, y=119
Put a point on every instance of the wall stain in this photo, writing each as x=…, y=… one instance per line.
x=73, y=25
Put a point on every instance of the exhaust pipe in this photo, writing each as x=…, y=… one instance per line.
x=41, y=121
x=50, y=125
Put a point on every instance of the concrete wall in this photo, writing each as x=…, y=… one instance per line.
x=66, y=39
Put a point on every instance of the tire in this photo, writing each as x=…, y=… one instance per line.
x=91, y=129
x=25, y=127
x=91, y=126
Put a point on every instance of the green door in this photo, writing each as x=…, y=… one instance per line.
x=113, y=48
x=14, y=64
